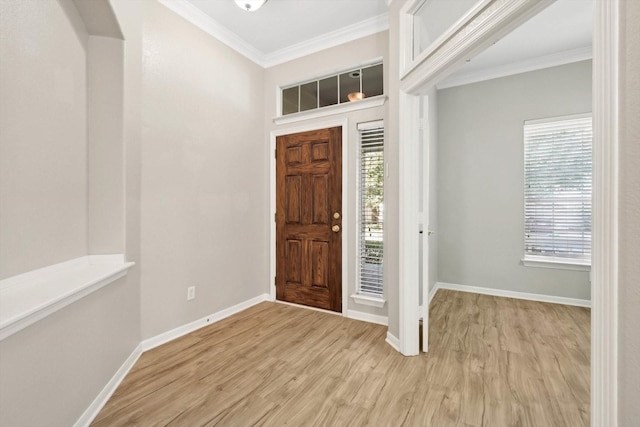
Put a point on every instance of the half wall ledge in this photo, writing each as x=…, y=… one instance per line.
x=32, y=296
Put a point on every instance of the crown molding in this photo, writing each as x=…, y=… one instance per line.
x=352, y=32
x=212, y=27
x=533, y=64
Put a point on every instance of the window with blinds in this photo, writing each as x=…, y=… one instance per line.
x=557, y=193
x=371, y=209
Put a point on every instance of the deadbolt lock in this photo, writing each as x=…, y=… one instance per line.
x=335, y=228
x=336, y=215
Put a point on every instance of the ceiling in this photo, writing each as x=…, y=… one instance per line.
x=286, y=29
x=282, y=24
x=560, y=34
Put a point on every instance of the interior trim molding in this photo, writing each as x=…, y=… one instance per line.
x=212, y=27
x=215, y=29
x=347, y=34
x=368, y=317
x=500, y=18
x=371, y=301
x=185, y=329
x=525, y=66
x=604, y=272
x=513, y=294
x=103, y=397
x=432, y=292
x=393, y=341
x=347, y=107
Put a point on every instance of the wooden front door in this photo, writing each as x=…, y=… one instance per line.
x=309, y=218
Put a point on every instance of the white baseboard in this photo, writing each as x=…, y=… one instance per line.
x=367, y=317
x=393, y=341
x=513, y=294
x=98, y=403
x=165, y=337
x=432, y=292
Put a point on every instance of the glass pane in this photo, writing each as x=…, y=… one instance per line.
x=309, y=96
x=372, y=81
x=349, y=83
x=329, y=91
x=434, y=18
x=290, y=100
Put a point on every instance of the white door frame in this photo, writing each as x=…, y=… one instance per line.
x=425, y=139
x=306, y=127
x=503, y=17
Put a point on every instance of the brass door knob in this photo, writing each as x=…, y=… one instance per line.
x=336, y=215
x=335, y=228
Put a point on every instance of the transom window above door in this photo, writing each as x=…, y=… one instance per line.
x=347, y=86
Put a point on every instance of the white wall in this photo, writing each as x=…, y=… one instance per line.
x=629, y=291
x=43, y=137
x=319, y=64
x=480, y=178
x=203, y=171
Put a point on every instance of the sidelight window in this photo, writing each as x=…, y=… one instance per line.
x=371, y=210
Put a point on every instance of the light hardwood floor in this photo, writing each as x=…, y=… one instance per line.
x=492, y=362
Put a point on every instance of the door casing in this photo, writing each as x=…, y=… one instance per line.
x=346, y=217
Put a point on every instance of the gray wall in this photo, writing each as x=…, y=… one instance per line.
x=203, y=168
x=629, y=291
x=325, y=62
x=43, y=138
x=480, y=164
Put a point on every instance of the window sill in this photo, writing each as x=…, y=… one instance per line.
x=557, y=263
x=369, y=300
x=375, y=101
x=32, y=296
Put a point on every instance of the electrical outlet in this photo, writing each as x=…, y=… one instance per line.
x=191, y=292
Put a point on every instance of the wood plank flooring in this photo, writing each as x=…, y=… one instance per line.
x=492, y=362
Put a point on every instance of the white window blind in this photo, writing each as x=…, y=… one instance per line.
x=371, y=210
x=558, y=184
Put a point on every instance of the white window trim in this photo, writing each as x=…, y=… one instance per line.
x=557, y=263
x=370, y=300
x=374, y=101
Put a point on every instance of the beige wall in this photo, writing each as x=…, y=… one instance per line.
x=203, y=168
x=481, y=170
x=629, y=292
x=392, y=181
x=51, y=371
x=43, y=135
x=319, y=64
x=105, y=141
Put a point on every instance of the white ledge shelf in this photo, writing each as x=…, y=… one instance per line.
x=29, y=297
x=374, y=101
x=369, y=300
x=557, y=263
